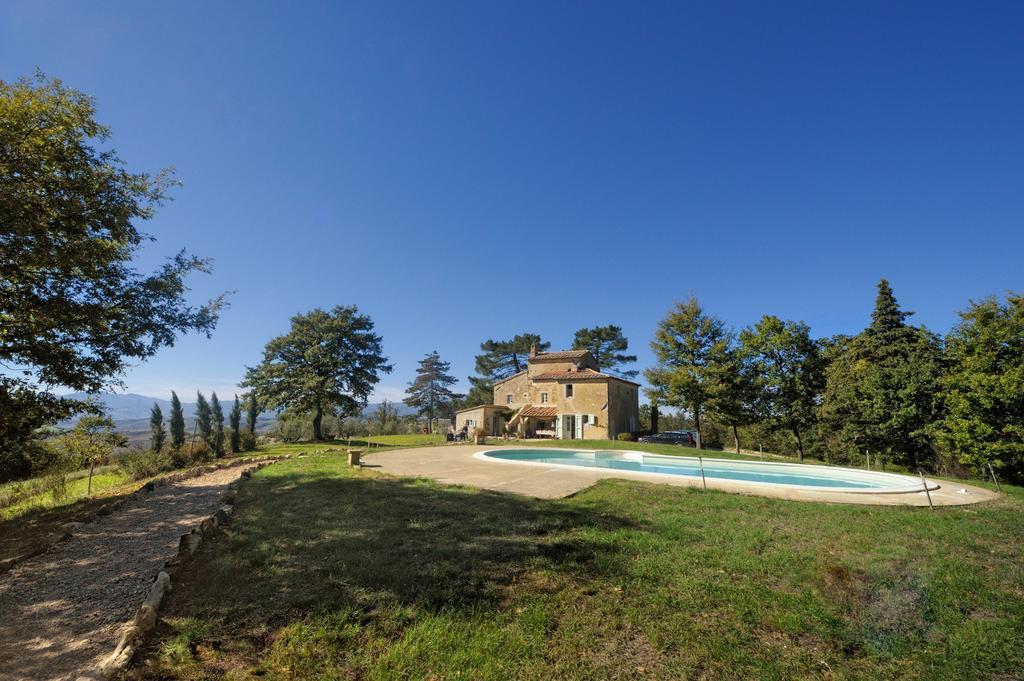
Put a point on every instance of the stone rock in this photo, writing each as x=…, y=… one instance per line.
x=189, y=543
x=224, y=514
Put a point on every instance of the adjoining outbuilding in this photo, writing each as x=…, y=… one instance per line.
x=561, y=395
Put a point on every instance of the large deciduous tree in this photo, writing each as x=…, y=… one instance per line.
x=327, y=364
x=789, y=371
x=692, y=352
x=736, y=400
x=882, y=388
x=984, y=387
x=430, y=393
x=73, y=309
x=498, y=360
x=608, y=346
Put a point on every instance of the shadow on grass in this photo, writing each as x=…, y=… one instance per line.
x=313, y=543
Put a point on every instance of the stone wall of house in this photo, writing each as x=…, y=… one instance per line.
x=623, y=407
x=588, y=397
x=473, y=417
x=518, y=387
x=613, y=404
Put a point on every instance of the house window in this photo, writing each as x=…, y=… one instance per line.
x=568, y=390
x=543, y=398
x=508, y=398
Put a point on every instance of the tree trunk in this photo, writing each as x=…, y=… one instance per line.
x=654, y=417
x=736, y=437
x=318, y=417
x=696, y=425
x=799, y=445
x=88, y=490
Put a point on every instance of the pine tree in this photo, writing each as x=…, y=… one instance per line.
x=177, y=423
x=204, y=423
x=882, y=388
x=691, y=348
x=786, y=376
x=252, y=412
x=498, y=360
x=430, y=393
x=156, y=429
x=235, y=421
x=608, y=346
x=217, y=418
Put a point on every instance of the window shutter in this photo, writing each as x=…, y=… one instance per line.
x=558, y=427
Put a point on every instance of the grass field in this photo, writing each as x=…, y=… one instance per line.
x=330, y=573
x=102, y=482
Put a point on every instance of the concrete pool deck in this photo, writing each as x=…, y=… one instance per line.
x=456, y=465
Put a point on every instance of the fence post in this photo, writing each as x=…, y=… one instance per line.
x=928, y=493
x=702, y=478
x=992, y=471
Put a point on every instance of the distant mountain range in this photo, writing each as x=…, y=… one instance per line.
x=127, y=409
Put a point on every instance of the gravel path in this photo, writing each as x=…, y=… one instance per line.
x=62, y=612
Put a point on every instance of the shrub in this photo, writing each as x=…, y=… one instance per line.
x=248, y=441
x=626, y=437
x=138, y=464
x=56, y=481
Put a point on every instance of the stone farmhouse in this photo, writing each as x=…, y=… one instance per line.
x=560, y=395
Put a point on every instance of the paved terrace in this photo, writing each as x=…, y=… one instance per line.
x=455, y=465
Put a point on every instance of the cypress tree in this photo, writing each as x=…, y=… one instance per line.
x=252, y=412
x=177, y=423
x=204, y=423
x=156, y=428
x=217, y=417
x=235, y=422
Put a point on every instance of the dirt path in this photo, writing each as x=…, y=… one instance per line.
x=61, y=612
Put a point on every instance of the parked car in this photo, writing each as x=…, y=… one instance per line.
x=683, y=438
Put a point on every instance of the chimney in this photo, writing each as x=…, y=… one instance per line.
x=533, y=350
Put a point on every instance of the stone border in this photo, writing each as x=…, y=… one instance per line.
x=106, y=509
x=146, y=616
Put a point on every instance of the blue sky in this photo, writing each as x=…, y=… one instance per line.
x=463, y=171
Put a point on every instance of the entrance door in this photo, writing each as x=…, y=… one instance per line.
x=569, y=430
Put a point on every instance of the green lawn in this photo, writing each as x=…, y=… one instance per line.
x=102, y=483
x=330, y=573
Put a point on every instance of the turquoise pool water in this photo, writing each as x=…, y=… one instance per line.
x=757, y=472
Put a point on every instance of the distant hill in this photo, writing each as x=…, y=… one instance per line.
x=128, y=408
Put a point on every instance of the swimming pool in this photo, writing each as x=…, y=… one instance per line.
x=800, y=476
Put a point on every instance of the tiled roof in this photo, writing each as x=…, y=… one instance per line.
x=578, y=375
x=539, y=411
x=482, y=406
x=561, y=354
x=509, y=378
